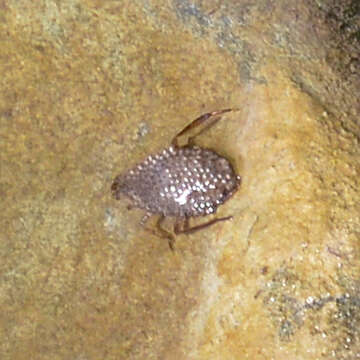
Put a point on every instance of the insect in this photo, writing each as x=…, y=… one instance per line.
x=181, y=182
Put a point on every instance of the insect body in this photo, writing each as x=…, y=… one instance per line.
x=181, y=182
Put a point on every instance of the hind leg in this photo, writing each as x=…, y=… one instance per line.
x=214, y=116
x=189, y=230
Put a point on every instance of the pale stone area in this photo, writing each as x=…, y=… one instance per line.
x=90, y=88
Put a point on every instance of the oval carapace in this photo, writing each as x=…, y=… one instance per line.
x=180, y=181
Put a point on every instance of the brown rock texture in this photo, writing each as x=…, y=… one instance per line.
x=90, y=88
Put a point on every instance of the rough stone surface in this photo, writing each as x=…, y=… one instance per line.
x=90, y=88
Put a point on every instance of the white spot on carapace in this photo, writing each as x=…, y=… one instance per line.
x=200, y=186
x=182, y=199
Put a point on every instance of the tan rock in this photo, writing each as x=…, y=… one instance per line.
x=90, y=88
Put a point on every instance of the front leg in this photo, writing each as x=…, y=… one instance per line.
x=164, y=233
x=161, y=232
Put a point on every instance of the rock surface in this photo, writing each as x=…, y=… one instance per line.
x=89, y=88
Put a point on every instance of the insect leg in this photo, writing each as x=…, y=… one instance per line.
x=185, y=225
x=190, y=230
x=145, y=218
x=197, y=122
x=164, y=233
x=161, y=232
